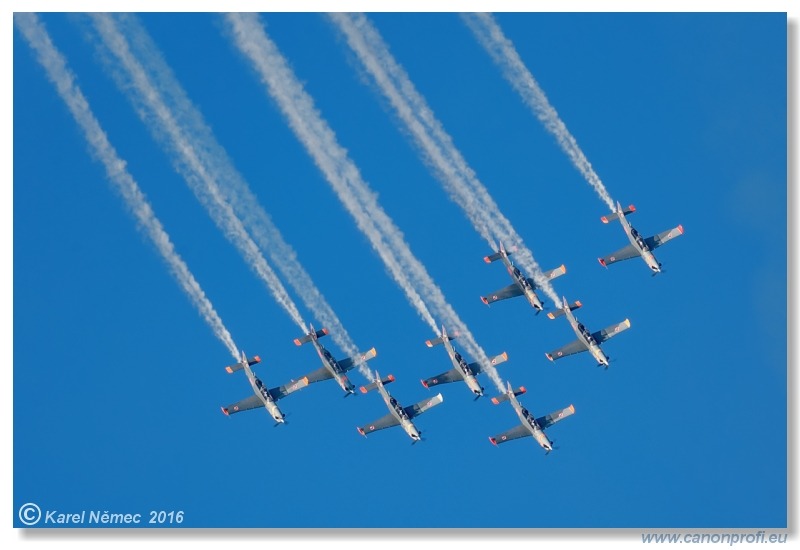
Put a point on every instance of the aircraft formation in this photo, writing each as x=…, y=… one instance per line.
x=331, y=368
x=529, y=426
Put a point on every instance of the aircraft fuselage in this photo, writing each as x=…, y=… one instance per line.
x=399, y=413
x=529, y=421
x=639, y=243
x=586, y=337
x=263, y=393
x=523, y=284
x=333, y=367
x=461, y=366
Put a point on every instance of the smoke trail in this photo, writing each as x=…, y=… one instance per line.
x=63, y=79
x=187, y=157
x=160, y=92
x=344, y=177
x=502, y=51
x=436, y=145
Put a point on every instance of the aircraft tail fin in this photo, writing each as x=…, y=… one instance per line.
x=559, y=312
x=615, y=216
x=240, y=365
x=369, y=387
x=500, y=398
x=308, y=337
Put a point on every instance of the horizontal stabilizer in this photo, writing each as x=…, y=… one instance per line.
x=492, y=257
x=308, y=337
x=559, y=312
x=239, y=366
x=369, y=387
x=500, y=398
x=557, y=272
x=499, y=254
x=615, y=216
x=440, y=340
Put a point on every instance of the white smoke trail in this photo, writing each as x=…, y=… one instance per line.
x=187, y=157
x=436, y=144
x=63, y=79
x=344, y=177
x=502, y=51
x=206, y=166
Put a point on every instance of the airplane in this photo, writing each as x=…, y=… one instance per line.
x=398, y=414
x=521, y=285
x=639, y=246
x=263, y=397
x=586, y=341
x=530, y=426
x=461, y=370
x=331, y=367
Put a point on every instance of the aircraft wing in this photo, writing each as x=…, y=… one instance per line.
x=419, y=408
x=252, y=402
x=553, y=417
x=383, y=422
x=557, y=272
x=513, y=433
x=319, y=375
x=572, y=348
x=657, y=240
x=350, y=362
x=496, y=360
x=286, y=389
x=453, y=375
x=509, y=291
x=609, y=332
x=625, y=253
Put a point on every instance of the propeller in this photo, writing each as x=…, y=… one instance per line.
x=284, y=421
x=610, y=360
x=552, y=447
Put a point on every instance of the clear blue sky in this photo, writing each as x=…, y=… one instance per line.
x=118, y=381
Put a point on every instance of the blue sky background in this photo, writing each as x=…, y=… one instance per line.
x=118, y=381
